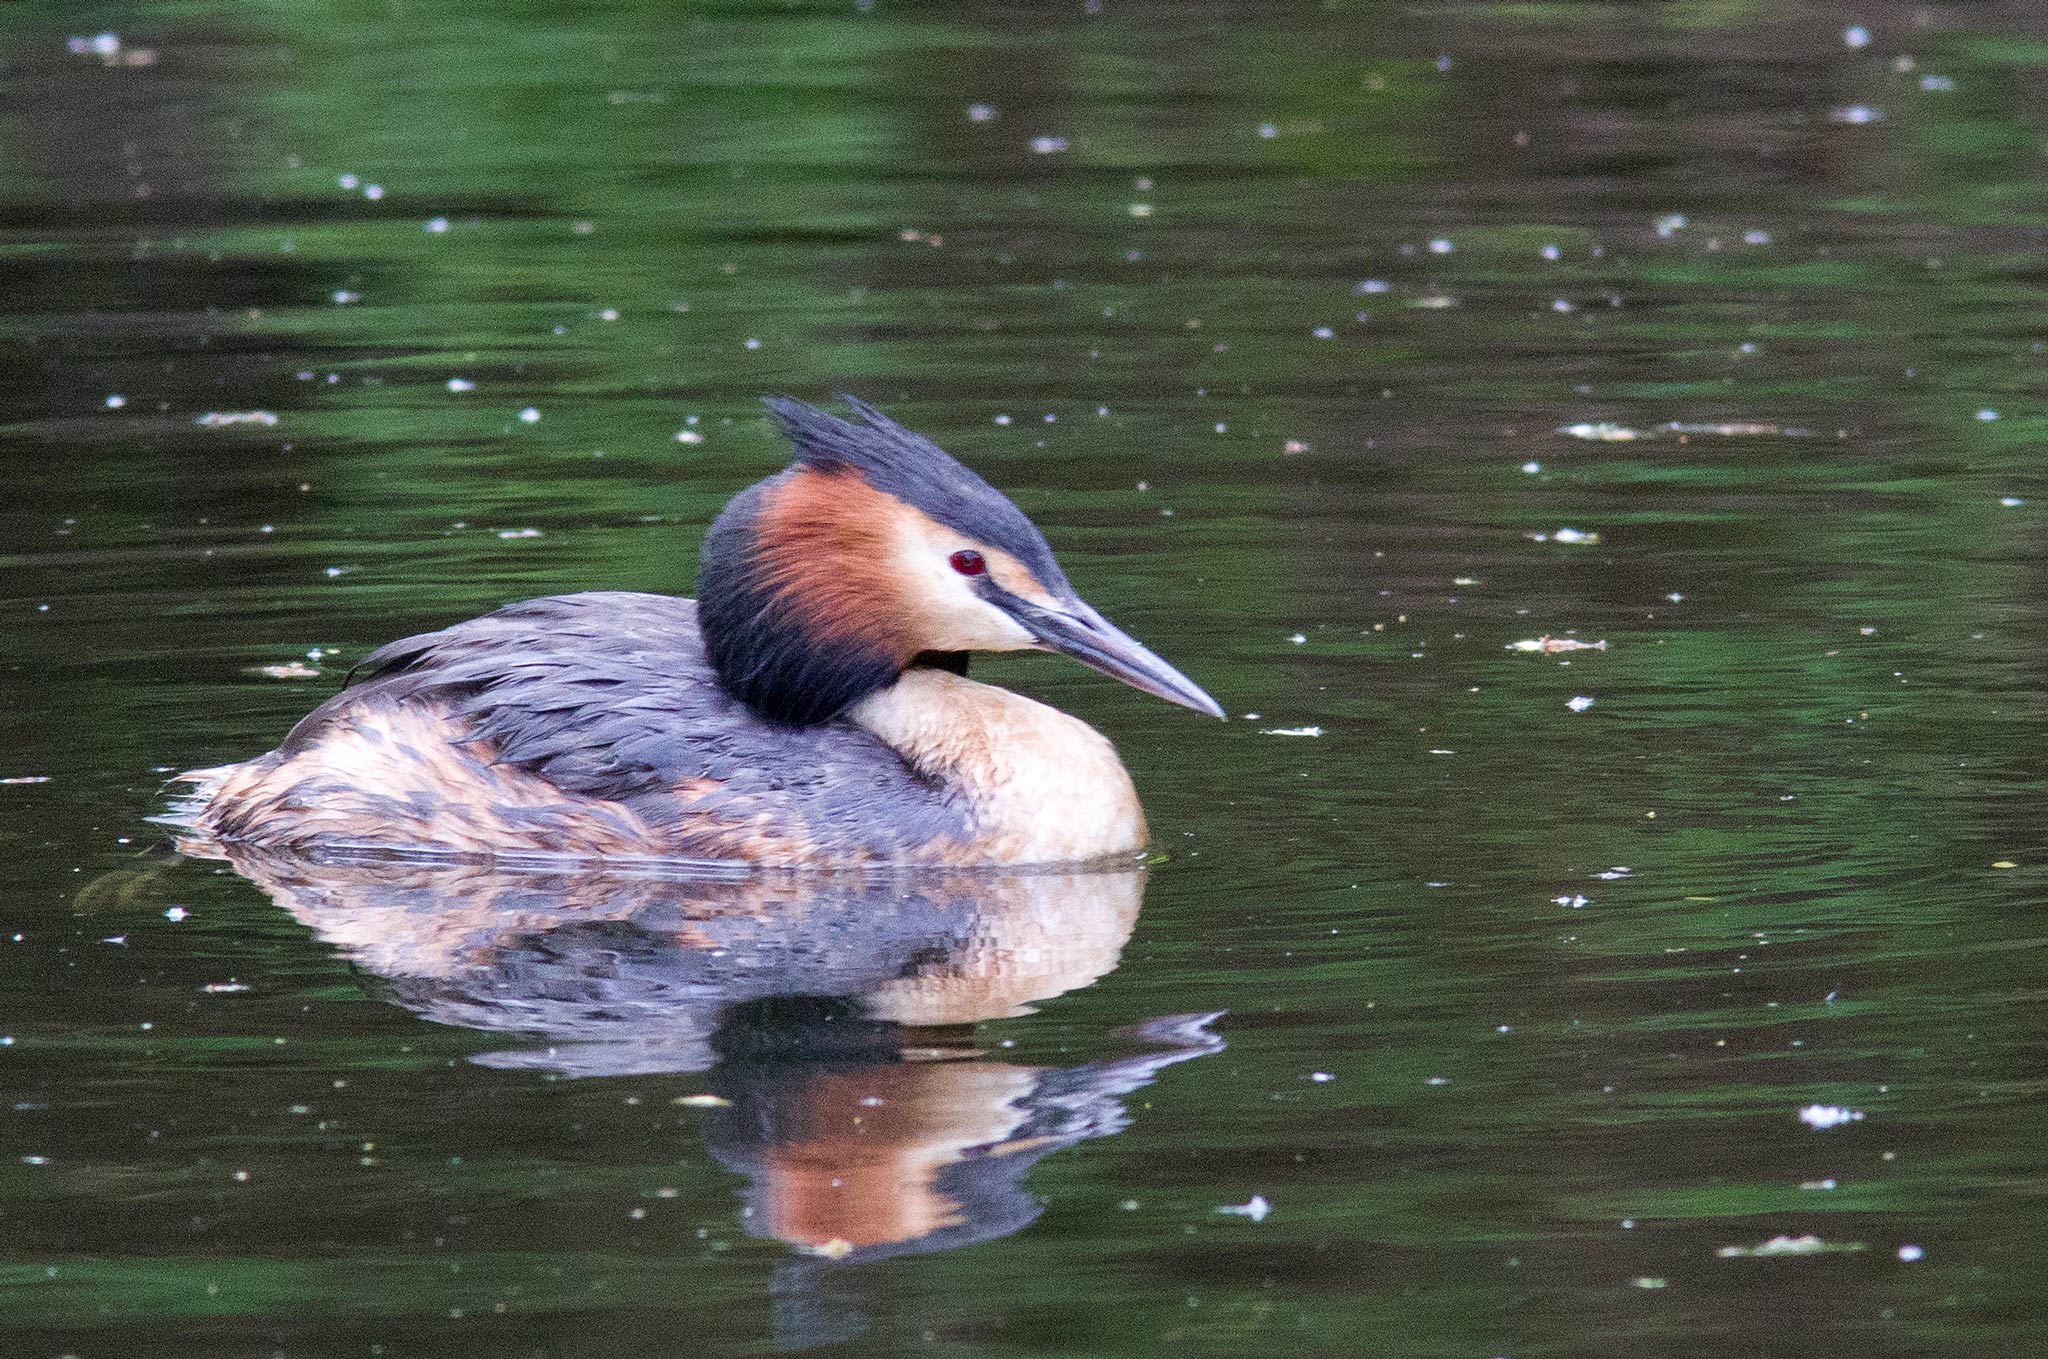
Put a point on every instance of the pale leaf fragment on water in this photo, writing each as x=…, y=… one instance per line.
x=1551, y=645
x=1601, y=431
x=1290, y=731
x=222, y=419
x=290, y=670
x=1788, y=1245
x=1255, y=1208
x=1829, y=1115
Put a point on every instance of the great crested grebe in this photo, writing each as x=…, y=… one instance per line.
x=812, y=708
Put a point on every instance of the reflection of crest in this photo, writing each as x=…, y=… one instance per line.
x=827, y=1013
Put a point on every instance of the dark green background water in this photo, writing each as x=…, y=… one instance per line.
x=1816, y=742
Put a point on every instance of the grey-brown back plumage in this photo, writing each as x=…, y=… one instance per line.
x=608, y=695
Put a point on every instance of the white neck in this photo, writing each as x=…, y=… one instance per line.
x=1044, y=787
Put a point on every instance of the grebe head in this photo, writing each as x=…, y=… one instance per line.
x=875, y=548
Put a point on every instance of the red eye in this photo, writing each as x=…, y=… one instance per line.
x=968, y=562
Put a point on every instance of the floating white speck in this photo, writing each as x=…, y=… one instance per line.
x=1756, y=238
x=1573, y=900
x=753, y=344
x=116, y=401
x=1670, y=224
x=689, y=436
x=1291, y=731
x=1255, y=1208
x=1987, y=416
x=1532, y=468
x=1856, y=115
x=519, y=533
x=120, y=939
x=175, y=914
x=1324, y=333
x=460, y=384
x=1561, y=304
x=226, y=988
x=289, y=670
x=435, y=226
x=980, y=113
x=1572, y=535
x=2011, y=501
x=1268, y=131
x=1855, y=35
x=1002, y=420
x=530, y=416
x=1578, y=703
x=1910, y=1253
x=1298, y=638
x=1829, y=1115
x=1937, y=84
x=343, y=297
x=1551, y=252
x=1441, y=247
x=1141, y=209
x=35, y=1160
x=348, y=181
x=1373, y=285
x=1321, y=1077
x=1675, y=597
x=1048, y=146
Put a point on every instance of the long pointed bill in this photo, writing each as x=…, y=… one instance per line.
x=1100, y=645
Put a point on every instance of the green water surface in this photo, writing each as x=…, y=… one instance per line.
x=1302, y=329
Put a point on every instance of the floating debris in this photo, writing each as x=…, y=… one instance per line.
x=519, y=533
x=1291, y=731
x=1294, y=446
x=1563, y=535
x=1255, y=1208
x=1856, y=115
x=1551, y=645
x=689, y=436
x=529, y=416
x=1578, y=703
x=1603, y=431
x=226, y=988
x=223, y=419
x=838, y=1248
x=290, y=670
x=111, y=51
x=1829, y=1115
x=461, y=384
x=1789, y=1245
x=1048, y=146
x=24, y=779
x=702, y=1101
x=1910, y=1253
x=1648, y=1282
x=175, y=914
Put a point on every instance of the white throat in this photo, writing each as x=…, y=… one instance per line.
x=1044, y=787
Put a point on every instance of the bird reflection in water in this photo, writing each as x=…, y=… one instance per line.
x=831, y=1016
